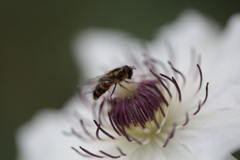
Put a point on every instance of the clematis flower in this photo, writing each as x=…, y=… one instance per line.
x=182, y=101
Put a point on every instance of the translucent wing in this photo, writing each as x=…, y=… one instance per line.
x=89, y=85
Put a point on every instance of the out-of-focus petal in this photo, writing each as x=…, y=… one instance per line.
x=42, y=138
x=98, y=51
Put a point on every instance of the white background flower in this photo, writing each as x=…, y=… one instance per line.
x=219, y=128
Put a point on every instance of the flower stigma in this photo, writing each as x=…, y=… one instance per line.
x=145, y=111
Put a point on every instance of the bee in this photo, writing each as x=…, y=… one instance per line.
x=99, y=85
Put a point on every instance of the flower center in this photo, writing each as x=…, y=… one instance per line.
x=139, y=112
x=148, y=111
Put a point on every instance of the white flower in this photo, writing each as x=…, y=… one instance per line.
x=172, y=115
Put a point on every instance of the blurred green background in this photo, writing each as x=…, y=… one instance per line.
x=37, y=69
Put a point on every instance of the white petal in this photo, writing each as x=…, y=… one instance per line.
x=212, y=143
x=190, y=30
x=223, y=66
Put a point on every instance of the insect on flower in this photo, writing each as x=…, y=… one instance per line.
x=100, y=84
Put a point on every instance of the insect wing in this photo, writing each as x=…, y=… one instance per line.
x=89, y=85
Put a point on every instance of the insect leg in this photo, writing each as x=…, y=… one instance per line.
x=128, y=81
x=125, y=88
x=113, y=91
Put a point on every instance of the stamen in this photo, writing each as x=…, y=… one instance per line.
x=124, y=115
x=80, y=153
x=148, y=112
x=109, y=155
x=200, y=73
x=115, y=129
x=81, y=97
x=199, y=63
x=100, y=111
x=117, y=123
x=119, y=149
x=162, y=65
x=199, y=59
x=97, y=130
x=136, y=112
x=149, y=65
x=75, y=133
x=160, y=80
x=178, y=89
x=85, y=130
x=132, y=113
x=106, y=133
x=187, y=119
x=140, y=103
x=170, y=136
x=170, y=51
x=155, y=100
x=206, y=94
x=160, y=94
x=94, y=110
x=166, y=77
x=136, y=140
x=176, y=85
x=199, y=107
x=125, y=133
x=90, y=153
x=177, y=71
x=192, y=59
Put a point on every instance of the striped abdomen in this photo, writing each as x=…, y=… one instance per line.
x=103, y=85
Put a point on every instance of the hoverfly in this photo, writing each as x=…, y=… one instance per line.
x=99, y=85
